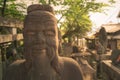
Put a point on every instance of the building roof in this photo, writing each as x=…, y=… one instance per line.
x=111, y=28
x=116, y=36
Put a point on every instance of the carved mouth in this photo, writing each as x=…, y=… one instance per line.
x=39, y=50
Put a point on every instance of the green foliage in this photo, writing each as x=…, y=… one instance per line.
x=112, y=1
x=13, y=9
x=14, y=51
x=4, y=30
x=76, y=15
x=77, y=21
x=53, y=2
x=43, y=1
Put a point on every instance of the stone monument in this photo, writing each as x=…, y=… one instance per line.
x=42, y=61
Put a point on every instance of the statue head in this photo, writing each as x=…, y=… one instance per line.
x=40, y=34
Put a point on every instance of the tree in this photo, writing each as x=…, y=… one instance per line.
x=53, y=2
x=12, y=9
x=77, y=21
x=76, y=15
x=3, y=8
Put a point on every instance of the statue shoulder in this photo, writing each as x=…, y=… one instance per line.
x=15, y=71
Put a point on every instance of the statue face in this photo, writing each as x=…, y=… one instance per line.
x=39, y=34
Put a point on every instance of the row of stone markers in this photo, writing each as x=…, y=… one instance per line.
x=8, y=35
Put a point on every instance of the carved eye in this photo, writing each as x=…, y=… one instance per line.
x=30, y=33
x=50, y=33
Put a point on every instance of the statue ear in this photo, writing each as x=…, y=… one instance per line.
x=59, y=42
x=36, y=7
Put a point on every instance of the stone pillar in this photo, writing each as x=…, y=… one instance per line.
x=14, y=31
x=3, y=62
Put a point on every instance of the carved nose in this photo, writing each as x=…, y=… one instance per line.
x=40, y=37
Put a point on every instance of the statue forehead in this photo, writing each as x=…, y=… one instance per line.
x=39, y=27
x=34, y=28
x=40, y=22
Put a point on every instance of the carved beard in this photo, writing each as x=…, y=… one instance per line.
x=52, y=52
x=52, y=55
x=51, y=49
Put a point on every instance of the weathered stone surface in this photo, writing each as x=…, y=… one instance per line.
x=8, y=38
x=42, y=61
x=10, y=22
x=114, y=56
x=103, y=38
x=110, y=72
x=88, y=71
x=38, y=7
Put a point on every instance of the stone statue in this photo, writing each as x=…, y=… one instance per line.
x=115, y=57
x=99, y=47
x=103, y=39
x=42, y=61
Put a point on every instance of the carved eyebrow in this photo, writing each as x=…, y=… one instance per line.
x=31, y=33
x=50, y=30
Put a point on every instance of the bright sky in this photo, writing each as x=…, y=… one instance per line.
x=111, y=15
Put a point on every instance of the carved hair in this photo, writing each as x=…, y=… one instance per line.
x=38, y=7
